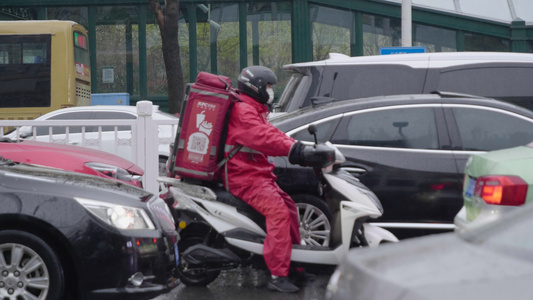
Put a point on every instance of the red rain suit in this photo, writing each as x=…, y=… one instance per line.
x=250, y=177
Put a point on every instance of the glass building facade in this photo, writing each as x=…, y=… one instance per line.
x=224, y=36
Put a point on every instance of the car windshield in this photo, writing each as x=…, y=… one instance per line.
x=288, y=92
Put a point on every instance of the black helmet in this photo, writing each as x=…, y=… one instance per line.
x=253, y=82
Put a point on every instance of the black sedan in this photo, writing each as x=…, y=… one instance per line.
x=67, y=235
x=410, y=150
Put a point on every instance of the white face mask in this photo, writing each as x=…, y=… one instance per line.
x=270, y=93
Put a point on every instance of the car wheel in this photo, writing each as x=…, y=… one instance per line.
x=29, y=268
x=315, y=220
x=189, y=274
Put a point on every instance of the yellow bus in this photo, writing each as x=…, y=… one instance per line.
x=44, y=66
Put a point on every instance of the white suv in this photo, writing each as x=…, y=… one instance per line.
x=501, y=75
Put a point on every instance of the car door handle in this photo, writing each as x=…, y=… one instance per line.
x=357, y=171
x=73, y=143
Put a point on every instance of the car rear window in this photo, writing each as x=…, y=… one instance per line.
x=509, y=83
x=349, y=82
x=487, y=130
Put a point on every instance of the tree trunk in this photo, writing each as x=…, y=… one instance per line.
x=168, y=26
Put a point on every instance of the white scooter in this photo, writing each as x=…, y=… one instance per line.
x=220, y=231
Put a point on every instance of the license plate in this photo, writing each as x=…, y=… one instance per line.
x=176, y=253
x=470, y=187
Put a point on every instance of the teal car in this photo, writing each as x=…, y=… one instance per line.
x=495, y=182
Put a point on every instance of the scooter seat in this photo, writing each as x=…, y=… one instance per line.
x=241, y=206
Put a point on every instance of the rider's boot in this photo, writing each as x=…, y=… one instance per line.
x=282, y=284
x=300, y=276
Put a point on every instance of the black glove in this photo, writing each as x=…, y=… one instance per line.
x=296, y=153
x=318, y=156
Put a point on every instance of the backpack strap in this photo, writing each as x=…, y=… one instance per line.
x=225, y=160
x=230, y=155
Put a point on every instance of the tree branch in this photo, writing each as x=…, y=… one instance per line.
x=160, y=17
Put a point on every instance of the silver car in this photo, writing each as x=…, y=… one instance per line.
x=491, y=262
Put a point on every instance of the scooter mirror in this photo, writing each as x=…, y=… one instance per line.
x=312, y=130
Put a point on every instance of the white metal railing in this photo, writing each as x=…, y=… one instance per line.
x=143, y=138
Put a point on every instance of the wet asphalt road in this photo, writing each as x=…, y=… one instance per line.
x=246, y=284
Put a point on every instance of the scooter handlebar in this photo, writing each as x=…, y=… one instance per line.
x=318, y=156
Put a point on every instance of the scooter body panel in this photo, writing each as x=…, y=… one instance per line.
x=327, y=256
x=220, y=216
x=225, y=218
x=360, y=200
x=324, y=256
x=375, y=235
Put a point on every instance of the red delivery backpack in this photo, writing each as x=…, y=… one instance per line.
x=199, y=145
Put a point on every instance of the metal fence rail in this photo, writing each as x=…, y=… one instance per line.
x=143, y=137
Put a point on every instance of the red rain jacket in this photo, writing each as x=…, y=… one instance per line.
x=248, y=126
x=249, y=176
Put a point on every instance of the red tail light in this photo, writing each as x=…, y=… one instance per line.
x=501, y=190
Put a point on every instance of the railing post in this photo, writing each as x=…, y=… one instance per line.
x=147, y=146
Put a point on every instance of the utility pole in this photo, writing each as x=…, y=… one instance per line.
x=407, y=40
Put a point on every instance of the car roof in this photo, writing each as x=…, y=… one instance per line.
x=420, y=60
x=114, y=108
x=310, y=114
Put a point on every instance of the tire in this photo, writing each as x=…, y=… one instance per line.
x=315, y=220
x=193, y=275
x=29, y=267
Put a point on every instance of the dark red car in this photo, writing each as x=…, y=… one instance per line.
x=72, y=158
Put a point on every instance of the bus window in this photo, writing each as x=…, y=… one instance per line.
x=24, y=71
x=44, y=66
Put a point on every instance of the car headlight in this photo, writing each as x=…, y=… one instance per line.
x=111, y=171
x=119, y=216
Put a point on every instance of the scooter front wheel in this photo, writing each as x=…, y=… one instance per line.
x=190, y=274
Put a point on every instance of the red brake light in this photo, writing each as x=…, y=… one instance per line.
x=501, y=190
x=443, y=185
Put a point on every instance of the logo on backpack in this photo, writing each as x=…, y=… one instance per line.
x=199, y=141
x=202, y=125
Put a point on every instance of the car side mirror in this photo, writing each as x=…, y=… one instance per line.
x=25, y=132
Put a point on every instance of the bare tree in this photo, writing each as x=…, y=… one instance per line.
x=167, y=20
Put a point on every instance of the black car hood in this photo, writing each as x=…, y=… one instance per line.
x=68, y=184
